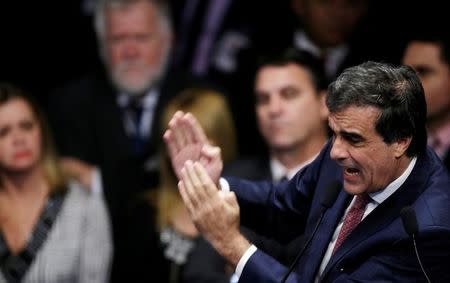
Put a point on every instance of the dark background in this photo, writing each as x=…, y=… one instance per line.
x=47, y=43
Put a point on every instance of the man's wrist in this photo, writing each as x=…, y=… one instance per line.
x=243, y=261
x=233, y=249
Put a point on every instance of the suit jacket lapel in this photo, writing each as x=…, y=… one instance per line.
x=314, y=255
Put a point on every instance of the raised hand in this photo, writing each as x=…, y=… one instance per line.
x=186, y=140
x=215, y=213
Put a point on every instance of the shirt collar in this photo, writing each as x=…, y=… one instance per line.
x=382, y=195
x=147, y=101
x=279, y=171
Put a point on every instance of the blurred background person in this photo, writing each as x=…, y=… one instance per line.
x=344, y=33
x=328, y=29
x=428, y=52
x=53, y=229
x=290, y=91
x=107, y=122
x=219, y=40
x=176, y=234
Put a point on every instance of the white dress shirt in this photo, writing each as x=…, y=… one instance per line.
x=148, y=101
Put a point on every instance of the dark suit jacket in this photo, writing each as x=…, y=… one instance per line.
x=379, y=249
x=447, y=160
x=88, y=124
x=255, y=169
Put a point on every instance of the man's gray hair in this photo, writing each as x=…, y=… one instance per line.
x=101, y=6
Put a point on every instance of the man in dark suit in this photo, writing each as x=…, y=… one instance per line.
x=108, y=123
x=428, y=52
x=379, y=158
x=290, y=91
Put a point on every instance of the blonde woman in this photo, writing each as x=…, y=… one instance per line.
x=174, y=235
x=51, y=229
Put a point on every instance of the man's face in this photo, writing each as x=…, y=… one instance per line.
x=289, y=109
x=330, y=22
x=369, y=164
x=136, y=46
x=425, y=58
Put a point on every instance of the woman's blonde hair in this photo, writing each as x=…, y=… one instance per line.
x=213, y=114
x=49, y=158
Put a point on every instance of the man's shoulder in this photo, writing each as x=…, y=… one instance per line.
x=88, y=85
x=254, y=168
x=433, y=202
x=81, y=92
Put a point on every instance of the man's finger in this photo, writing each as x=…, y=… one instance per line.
x=198, y=186
x=191, y=190
x=177, y=130
x=198, y=135
x=171, y=145
x=210, y=188
x=185, y=197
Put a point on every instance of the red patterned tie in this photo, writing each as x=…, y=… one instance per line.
x=352, y=219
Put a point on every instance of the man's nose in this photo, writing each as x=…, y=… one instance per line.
x=339, y=149
x=130, y=48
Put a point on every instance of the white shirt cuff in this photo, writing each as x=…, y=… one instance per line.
x=224, y=186
x=243, y=261
x=97, y=185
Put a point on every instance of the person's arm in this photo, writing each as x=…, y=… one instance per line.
x=215, y=213
x=96, y=250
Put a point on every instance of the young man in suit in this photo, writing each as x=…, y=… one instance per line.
x=379, y=164
x=429, y=55
x=290, y=109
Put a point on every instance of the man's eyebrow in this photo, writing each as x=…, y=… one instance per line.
x=351, y=135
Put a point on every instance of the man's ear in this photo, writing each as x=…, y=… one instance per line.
x=400, y=146
x=323, y=106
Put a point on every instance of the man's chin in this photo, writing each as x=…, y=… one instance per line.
x=282, y=146
x=352, y=188
x=134, y=89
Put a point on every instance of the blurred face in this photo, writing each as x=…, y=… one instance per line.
x=289, y=109
x=368, y=163
x=136, y=46
x=20, y=137
x=330, y=22
x=434, y=74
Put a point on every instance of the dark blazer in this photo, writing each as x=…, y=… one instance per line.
x=379, y=249
x=88, y=124
x=255, y=169
x=446, y=160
